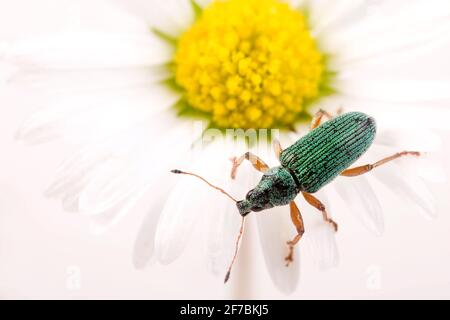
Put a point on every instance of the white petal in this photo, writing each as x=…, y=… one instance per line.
x=275, y=230
x=7, y=69
x=73, y=175
x=100, y=224
x=4, y=50
x=222, y=221
x=395, y=90
x=413, y=25
x=386, y=63
x=90, y=50
x=337, y=14
x=169, y=16
x=399, y=116
x=107, y=187
x=320, y=236
x=123, y=176
x=144, y=246
x=119, y=208
x=223, y=226
x=124, y=155
x=167, y=245
x=203, y=3
x=178, y=218
x=69, y=81
x=409, y=140
x=361, y=201
x=96, y=116
x=71, y=197
x=429, y=166
x=75, y=170
x=408, y=186
x=293, y=3
x=189, y=199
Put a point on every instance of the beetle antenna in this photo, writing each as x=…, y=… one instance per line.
x=236, y=251
x=207, y=182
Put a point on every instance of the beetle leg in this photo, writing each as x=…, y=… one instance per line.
x=257, y=163
x=369, y=167
x=277, y=148
x=297, y=220
x=318, y=117
x=320, y=206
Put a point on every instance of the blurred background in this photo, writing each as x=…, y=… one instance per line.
x=48, y=253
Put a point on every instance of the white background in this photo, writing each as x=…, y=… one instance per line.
x=48, y=253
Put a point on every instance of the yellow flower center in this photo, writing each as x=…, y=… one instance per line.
x=249, y=64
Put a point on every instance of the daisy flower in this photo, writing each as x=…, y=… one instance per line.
x=137, y=103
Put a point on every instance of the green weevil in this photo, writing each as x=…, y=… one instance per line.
x=315, y=160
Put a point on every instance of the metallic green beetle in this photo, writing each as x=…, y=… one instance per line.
x=308, y=165
x=312, y=162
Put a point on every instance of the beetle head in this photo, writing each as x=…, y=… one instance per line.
x=276, y=188
x=256, y=200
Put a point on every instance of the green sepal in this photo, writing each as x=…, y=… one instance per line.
x=172, y=84
x=184, y=109
x=198, y=10
x=165, y=37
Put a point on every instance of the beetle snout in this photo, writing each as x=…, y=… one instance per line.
x=244, y=207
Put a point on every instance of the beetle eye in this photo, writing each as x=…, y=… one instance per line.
x=249, y=193
x=257, y=208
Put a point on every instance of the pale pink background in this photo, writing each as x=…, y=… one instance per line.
x=43, y=249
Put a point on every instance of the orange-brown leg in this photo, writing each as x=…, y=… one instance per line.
x=369, y=167
x=257, y=163
x=277, y=148
x=297, y=220
x=320, y=206
x=318, y=117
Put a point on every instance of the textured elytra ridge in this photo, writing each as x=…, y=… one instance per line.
x=321, y=155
